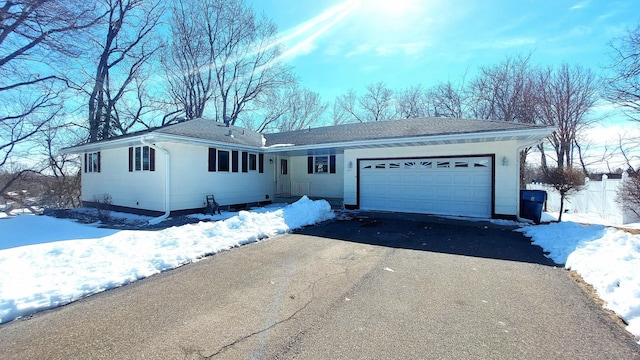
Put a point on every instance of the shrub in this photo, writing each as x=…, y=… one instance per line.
x=629, y=193
x=566, y=181
x=103, y=204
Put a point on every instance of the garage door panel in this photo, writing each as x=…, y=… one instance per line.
x=462, y=180
x=438, y=186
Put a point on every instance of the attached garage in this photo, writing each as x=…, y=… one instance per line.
x=444, y=186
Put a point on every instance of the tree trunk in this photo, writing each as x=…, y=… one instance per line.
x=561, y=207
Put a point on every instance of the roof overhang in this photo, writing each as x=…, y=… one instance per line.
x=154, y=137
x=527, y=137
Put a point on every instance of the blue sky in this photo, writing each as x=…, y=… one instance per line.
x=337, y=45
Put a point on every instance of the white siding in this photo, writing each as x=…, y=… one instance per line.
x=191, y=181
x=321, y=185
x=506, y=177
x=138, y=189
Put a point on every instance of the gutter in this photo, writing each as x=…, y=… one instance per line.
x=167, y=182
x=431, y=139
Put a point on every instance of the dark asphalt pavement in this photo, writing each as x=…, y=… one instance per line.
x=378, y=286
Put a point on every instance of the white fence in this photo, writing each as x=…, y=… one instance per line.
x=597, y=197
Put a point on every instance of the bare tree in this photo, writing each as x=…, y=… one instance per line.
x=623, y=87
x=448, y=100
x=222, y=51
x=36, y=37
x=338, y=114
x=413, y=102
x=270, y=107
x=189, y=67
x=377, y=102
x=507, y=92
x=629, y=193
x=566, y=181
x=62, y=189
x=503, y=92
x=126, y=45
x=290, y=108
x=305, y=110
x=348, y=105
x=565, y=96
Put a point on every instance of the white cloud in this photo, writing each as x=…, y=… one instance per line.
x=506, y=43
x=580, y=5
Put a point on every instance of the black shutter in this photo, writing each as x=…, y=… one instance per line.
x=310, y=165
x=332, y=164
x=234, y=160
x=245, y=161
x=85, y=162
x=260, y=163
x=212, y=159
x=130, y=159
x=152, y=159
x=99, y=161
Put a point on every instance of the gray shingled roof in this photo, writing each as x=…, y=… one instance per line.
x=214, y=131
x=404, y=128
x=210, y=130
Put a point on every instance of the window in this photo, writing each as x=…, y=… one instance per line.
x=142, y=158
x=92, y=162
x=212, y=159
x=444, y=164
x=145, y=158
x=462, y=164
x=284, y=167
x=234, y=161
x=223, y=160
x=138, y=159
x=321, y=164
x=245, y=161
x=261, y=163
x=252, y=162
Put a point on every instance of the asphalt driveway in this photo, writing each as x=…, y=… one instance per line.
x=377, y=286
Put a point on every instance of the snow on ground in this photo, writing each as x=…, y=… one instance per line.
x=47, y=262
x=605, y=257
x=73, y=261
x=30, y=230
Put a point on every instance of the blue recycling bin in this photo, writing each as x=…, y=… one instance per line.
x=531, y=204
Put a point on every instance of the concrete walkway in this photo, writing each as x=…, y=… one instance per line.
x=375, y=287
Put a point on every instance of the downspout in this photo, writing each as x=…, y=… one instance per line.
x=167, y=183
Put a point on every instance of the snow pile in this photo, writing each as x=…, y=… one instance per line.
x=44, y=276
x=606, y=258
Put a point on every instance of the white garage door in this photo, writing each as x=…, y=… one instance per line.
x=447, y=186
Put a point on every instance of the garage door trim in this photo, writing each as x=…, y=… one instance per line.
x=491, y=156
